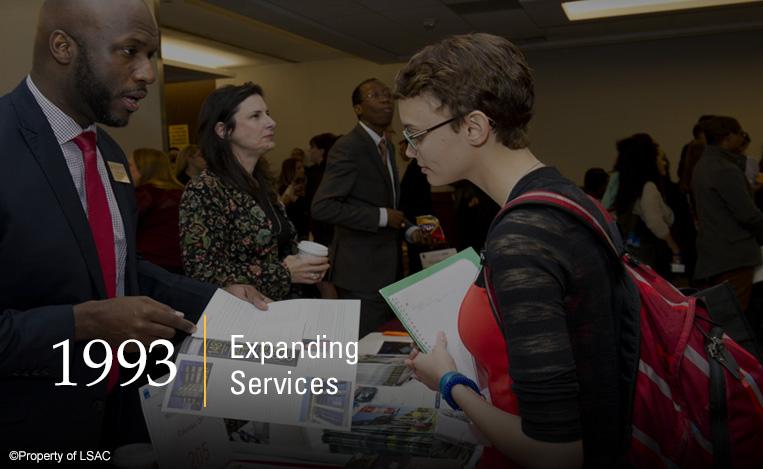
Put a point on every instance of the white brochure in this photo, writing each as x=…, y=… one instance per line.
x=294, y=364
x=183, y=440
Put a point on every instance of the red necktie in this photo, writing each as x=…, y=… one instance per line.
x=99, y=218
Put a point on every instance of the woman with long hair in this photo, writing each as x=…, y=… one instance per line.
x=642, y=214
x=233, y=227
x=189, y=163
x=158, y=195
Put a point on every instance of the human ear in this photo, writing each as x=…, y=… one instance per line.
x=63, y=48
x=358, y=110
x=477, y=128
x=220, y=130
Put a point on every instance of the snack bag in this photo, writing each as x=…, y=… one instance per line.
x=431, y=225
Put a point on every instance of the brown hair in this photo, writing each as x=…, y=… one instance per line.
x=222, y=105
x=181, y=161
x=155, y=169
x=472, y=72
x=289, y=174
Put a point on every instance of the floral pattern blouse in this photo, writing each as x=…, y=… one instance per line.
x=226, y=237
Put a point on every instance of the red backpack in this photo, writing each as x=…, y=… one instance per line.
x=697, y=399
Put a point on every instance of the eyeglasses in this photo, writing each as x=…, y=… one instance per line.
x=411, y=138
x=374, y=96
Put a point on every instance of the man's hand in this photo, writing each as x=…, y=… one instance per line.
x=395, y=218
x=128, y=317
x=250, y=294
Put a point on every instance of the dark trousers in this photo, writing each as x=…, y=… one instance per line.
x=374, y=311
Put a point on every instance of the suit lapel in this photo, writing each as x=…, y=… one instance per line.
x=46, y=150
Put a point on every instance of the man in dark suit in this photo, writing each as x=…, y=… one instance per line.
x=359, y=195
x=730, y=228
x=67, y=231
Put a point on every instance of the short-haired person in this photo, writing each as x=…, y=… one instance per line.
x=552, y=365
x=730, y=226
x=233, y=228
x=70, y=270
x=595, y=182
x=690, y=154
x=360, y=196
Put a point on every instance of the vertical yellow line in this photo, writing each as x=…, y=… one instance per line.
x=205, y=361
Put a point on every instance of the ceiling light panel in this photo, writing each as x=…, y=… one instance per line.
x=593, y=9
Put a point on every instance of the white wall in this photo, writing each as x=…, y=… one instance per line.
x=18, y=23
x=587, y=98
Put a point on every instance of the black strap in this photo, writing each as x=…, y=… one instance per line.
x=719, y=428
x=567, y=205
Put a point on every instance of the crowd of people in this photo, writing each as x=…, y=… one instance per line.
x=83, y=252
x=702, y=230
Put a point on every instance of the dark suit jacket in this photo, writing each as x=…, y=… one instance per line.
x=49, y=263
x=730, y=225
x=355, y=185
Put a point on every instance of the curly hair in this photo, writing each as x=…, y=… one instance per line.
x=475, y=72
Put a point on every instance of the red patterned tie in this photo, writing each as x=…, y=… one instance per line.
x=99, y=217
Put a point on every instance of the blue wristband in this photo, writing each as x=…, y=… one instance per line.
x=453, y=378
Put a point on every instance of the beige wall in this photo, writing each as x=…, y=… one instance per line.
x=312, y=98
x=183, y=101
x=17, y=28
x=587, y=97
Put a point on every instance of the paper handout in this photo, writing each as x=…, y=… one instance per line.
x=292, y=364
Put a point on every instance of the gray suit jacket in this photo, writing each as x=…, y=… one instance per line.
x=355, y=185
x=730, y=225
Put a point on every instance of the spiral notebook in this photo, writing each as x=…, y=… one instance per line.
x=429, y=301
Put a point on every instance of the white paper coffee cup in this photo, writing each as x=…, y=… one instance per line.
x=310, y=248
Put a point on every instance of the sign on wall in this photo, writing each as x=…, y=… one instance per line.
x=179, y=136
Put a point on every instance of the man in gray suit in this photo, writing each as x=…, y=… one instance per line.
x=359, y=195
x=730, y=225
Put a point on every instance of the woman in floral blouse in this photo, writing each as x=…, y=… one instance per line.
x=233, y=229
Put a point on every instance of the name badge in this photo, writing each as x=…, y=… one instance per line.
x=119, y=172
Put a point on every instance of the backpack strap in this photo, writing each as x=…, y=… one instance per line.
x=552, y=199
x=570, y=206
